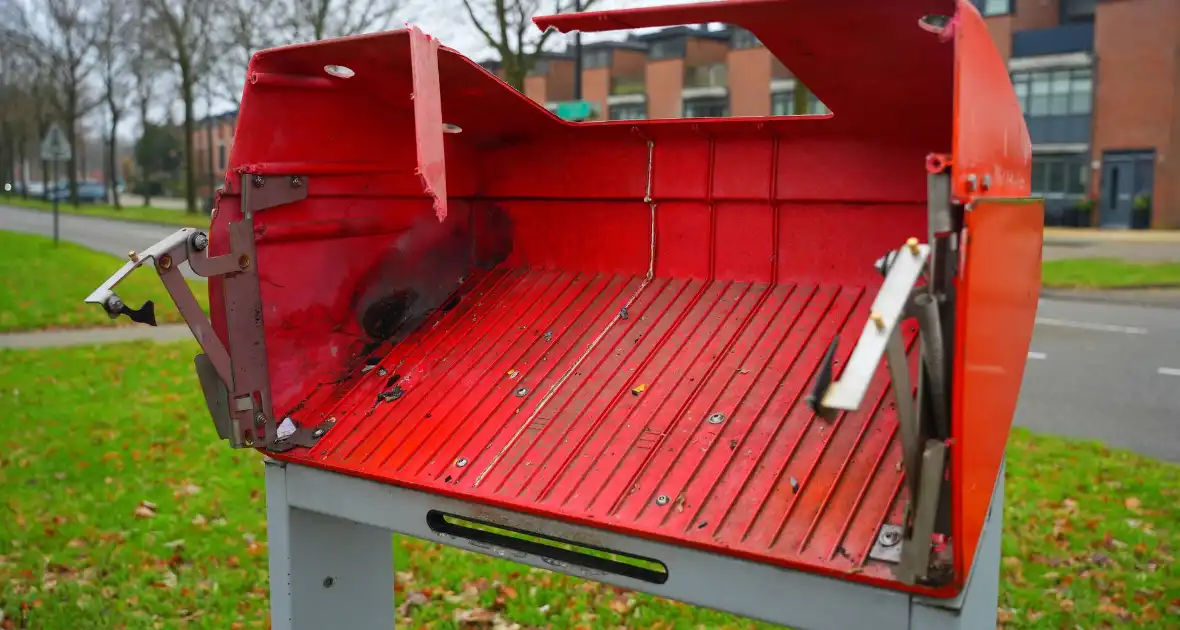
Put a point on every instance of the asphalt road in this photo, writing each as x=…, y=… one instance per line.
x=113, y=237
x=1103, y=371
x=1109, y=372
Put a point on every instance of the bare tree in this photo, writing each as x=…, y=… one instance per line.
x=186, y=27
x=143, y=72
x=69, y=41
x=507, y=26
x=113, y=51
x=313, y=20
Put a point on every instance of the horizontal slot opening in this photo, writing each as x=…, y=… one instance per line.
x=590, y=557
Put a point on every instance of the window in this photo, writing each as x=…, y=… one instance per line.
x=994, y=7
x=743, y=39
x=1078, y=10
x=630, y=111
x=540, y=68
x=672, y=48
x=221, y=157
x=1055, y=92
x=1058, y=176
x=783, y=104
x=706, y=108
x=599, y=58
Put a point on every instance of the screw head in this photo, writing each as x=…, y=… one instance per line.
x=296, y=181
x=717, y=418
x=522, y=392
x=972, y=182
x=461, y=462
x=662, y=499
x=200, y=241
x=889, y=537
x=987, y=182
x=259, y=181
x=243, y=262
x=318, y=433
x=259, y=420
x=114, y=304
x=165, y=262
x=329, y=581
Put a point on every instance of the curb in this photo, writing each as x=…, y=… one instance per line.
x=100, y=217
x=1167, y=298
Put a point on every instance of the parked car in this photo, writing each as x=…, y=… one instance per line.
x=88, y=192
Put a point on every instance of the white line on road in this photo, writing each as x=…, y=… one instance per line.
x=1040, y=356
x=1166, y=371
x=1065, y=323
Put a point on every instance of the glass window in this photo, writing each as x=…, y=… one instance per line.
x=1038, y=177
x=744, y=39
x=630, y=111
x=540, y=68
x=599, y=58
x=1020, y=85
x=221, y=157
x=1077, y=175
x=667, y=48
x=782, y=103
x=706, y=108
x=1059, y=93
x=1081, y=92
x=1038, y=104
x=995, y=7
x=1055, y=177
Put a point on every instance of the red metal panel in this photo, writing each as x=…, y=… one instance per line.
x=997, y=305
x=991, y=139
x=428, y=122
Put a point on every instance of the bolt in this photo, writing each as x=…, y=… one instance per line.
x=461, y=462
x=912, y=244
x=889, y=537
x=318, y=433
x=987, y=182
x=522, y=392
x=133, y=256
x=114, y=304
x=200, y=241
x=972, y=182
x=165, y=262
x=243, y=262
x=878, y=321
x=259, y=181
x=259, y=420
x=717, y=418
x=296, y=181
x=329, y=581
x=662, y=499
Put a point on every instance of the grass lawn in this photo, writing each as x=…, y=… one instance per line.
x=42, y=286
x=1105, y=273
x=122, y=509
x=128, y=213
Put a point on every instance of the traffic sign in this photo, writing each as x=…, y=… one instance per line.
x=55, y=146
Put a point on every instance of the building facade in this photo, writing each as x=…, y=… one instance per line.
x=1098, y=80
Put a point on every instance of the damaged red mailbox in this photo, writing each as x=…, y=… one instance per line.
x=780, y=353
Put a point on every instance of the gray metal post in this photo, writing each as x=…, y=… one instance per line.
x=55, y=202
x=975, y=607
x=325, y=571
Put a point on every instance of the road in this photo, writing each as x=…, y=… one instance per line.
x=1103, y=371
x=1109, y=372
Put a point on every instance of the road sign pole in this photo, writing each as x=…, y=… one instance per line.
x=55, y=203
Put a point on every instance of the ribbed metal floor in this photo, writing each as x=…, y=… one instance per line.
x=684, y=420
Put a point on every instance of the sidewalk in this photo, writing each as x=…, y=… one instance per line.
x=88, y=336
x=1132, y=245
x=1055, y=234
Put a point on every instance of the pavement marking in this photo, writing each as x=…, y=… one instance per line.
x=1040, y=356
x=1065, y=323
x=1167, y=371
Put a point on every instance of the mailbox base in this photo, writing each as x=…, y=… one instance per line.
x=331, y=563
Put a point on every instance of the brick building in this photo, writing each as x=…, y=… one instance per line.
x=1099, y=81
x=221, y=127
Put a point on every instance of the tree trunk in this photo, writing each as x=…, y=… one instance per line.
x=24, y=177
x=144, y=174
x=112, y=155
x=190, y=170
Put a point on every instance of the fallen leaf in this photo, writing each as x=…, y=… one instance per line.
x=143, y=511
x=1132, y=504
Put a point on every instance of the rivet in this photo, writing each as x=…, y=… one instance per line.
x=662, y=499
x=461, y=462
x=972, y=182
x=328, y=582
x=987, y=182
x=889, y=537
x=244, y=261
x=133, y=256
x=259, y=181
x=912, y=244
x=522, y=392
x=165, y=262
x=317, y=433
x=878, y=321
x=717, y=418
x=296, y=182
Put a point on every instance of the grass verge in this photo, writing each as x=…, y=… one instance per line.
x=1106, y=273
x=122, y=509
x=107, y=211
x=42, y=286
